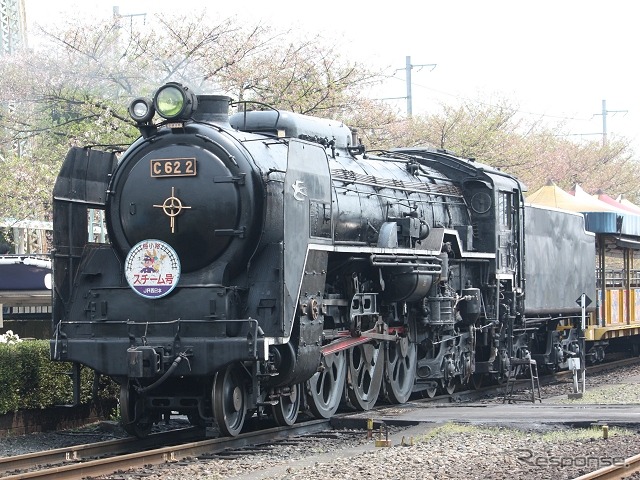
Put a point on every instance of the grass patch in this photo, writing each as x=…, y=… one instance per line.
x=571, y=434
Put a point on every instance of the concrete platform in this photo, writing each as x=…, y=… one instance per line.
x=502, y=414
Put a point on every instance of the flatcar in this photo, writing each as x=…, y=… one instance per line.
x=264, y=262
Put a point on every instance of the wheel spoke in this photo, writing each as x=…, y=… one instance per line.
x=400, y=370
x=366, y=366
x=324, y=389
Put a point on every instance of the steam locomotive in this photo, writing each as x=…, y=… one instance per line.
x=264, y=263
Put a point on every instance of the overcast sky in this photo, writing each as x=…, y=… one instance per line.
x=557, y=59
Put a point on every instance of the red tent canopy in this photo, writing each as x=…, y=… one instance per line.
x=627, y=203
x=583, y=196
x=603, y=197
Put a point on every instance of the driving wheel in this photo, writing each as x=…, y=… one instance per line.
x=400, y=370
x=324, y=389
x=364, y=374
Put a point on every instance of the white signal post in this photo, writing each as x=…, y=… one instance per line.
x=581, y=338
x=579, y=364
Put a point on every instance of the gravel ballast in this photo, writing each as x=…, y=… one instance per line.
x=430, y=451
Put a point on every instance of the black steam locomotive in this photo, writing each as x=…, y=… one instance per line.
x=265, y=262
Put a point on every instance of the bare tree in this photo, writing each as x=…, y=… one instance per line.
x=495, y=134
x=75, y=89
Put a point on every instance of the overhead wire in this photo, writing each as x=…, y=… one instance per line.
x=489, y=104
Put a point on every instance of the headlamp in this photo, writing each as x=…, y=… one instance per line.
x=174, y=101
x=141, y=110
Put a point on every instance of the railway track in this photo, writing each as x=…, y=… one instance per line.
x=614, y=472
x=105, y=458
x=17, y=464
x=497, y=390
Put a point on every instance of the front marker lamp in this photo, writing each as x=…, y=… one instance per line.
x=175, y=102
x=141, y=110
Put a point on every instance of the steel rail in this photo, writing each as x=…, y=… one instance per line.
x=614, y=472
x=108, y=466
x=92, y=450
x=80, y=453
x=470, y=395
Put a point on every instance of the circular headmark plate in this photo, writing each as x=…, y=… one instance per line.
x=152, y=268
